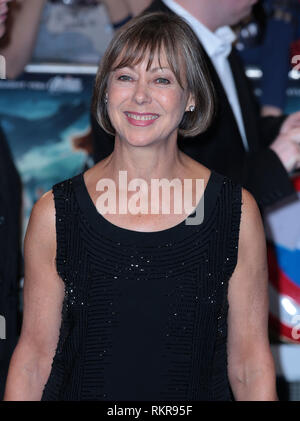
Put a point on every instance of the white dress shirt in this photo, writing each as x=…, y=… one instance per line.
x=218, y=46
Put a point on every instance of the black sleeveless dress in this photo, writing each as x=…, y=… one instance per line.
x=145, y=313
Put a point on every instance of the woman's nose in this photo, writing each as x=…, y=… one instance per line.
x=142, y=93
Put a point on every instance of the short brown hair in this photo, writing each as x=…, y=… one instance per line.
x=150, y=33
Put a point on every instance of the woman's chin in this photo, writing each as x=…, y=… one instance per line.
x=138, y=140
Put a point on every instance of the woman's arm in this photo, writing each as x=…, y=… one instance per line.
x=117, y=10
x=250, y=362
x=22, y=34
x=31, y=361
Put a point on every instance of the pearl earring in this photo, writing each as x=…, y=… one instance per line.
x=106, y=98
x=192, y=108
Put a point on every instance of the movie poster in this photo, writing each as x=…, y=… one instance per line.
x=46, y=120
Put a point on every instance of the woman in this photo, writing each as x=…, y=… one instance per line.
x=135, y=307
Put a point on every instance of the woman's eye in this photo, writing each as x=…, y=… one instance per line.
x=163, y=81
x=124, y=77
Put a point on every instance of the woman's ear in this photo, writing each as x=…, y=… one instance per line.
x=190, y=105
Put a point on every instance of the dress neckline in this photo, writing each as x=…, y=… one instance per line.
x=104, y=227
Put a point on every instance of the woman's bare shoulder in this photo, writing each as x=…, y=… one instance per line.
x=44, y=208
x=41, y=226
x=250, y=209
x=251, y=228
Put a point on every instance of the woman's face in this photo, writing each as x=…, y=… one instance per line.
x=146, y=106
x=3, y=15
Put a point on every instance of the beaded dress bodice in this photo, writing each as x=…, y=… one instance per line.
x=145, y=313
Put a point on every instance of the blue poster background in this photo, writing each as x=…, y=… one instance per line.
x=41, y=116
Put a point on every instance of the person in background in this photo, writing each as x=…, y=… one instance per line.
x=260, y=153
x=18, y=45
x=272, y=52
x=121, y=11
x=10, y=242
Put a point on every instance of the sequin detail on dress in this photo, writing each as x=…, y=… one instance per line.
x=145, y=314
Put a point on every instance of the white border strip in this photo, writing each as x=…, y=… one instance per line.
x=61, y=68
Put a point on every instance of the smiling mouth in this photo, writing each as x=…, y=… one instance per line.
x=142, y=117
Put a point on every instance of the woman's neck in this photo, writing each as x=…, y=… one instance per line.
x=146, y=162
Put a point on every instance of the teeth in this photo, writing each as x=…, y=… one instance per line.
x=143, y=118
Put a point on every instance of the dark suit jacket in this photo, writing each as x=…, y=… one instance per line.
x=221, y=148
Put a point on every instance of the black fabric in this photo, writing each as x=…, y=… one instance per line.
x=221, y=148
x=10, y=254
x=145, y=313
